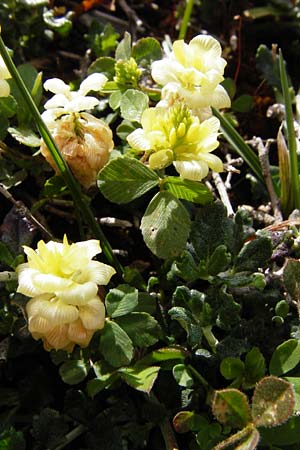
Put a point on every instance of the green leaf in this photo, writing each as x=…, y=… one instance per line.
x=104, y=65
x=254, y=254
x=141, y=327
x=124, y=179
x=132, y=105
x=6, y=256
x=291, y=278
x=54, y=187
x=115, y=99
x=182, y=376
x=185, y=318
x=210, y=229
x=10, y=439
x=164, y=355
x=218, y=261
x=146, y=50
x=141, y=379
x=286, y=434
x=165, y=225
x=29, y=75
x=121, y=300
x=74, y=371
x=255, y=368
x=4, y=124
x=185, y=267
x=285, y=357
x=295, y=381
x=105, y=376
x=185, y=421
x=25, y=136
x=273, y=402
x=123, y=50
x=268, y=64
x=115, y=345
x=124, y=129
x=232, y=368
x=244, y=103
x=188, y=190
x=8, y=106
x=231, y=408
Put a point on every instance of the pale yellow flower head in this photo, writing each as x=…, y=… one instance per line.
x=85, y=143
x=4, y=75
x=193, y=73
x=174, y=135
x=62, y=280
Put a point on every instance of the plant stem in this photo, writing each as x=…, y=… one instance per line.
x=199, y=376
x=291, y=136
x=168, y=435
x=209, y=336
x=186, y=18
x=60, y=163
x=71, y=436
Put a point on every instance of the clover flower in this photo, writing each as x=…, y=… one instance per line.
x=174, y=135
x=4, y=75
x=84, y=141
x=62, y=281
x=192, y=73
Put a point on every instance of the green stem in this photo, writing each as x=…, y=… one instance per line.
x=291, y=136
x=186, y=18
x=199, y=376
x=209, y=336
x=72, y=436
x=60, y=163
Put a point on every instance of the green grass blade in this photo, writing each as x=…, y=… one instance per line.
x=291, y=136
x=240, y=146
x=62, y=166
x=186, y=18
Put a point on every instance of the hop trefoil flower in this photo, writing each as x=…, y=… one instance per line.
x=175, y=136
x=62, y=282
x=192, y=73
x=84, y=140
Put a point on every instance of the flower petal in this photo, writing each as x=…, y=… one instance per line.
x=191, y=170
x=90, y=248
x=213, y=162
x=46, y=282
x=26, y=285
x=138, y=140
x=78, y=334
x=93, y=314
x=57, y=86
x=93, y=82
x=81, y=103
x=79, y=294
x=57, y=101
x=220, y=98
x=57, y=337
x=4, y=88
x=99, y=273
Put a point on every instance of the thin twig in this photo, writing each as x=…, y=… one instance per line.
x=70, y=437
x=263, y=154
x=223, y=193
x=8, y=276
x=23, y=211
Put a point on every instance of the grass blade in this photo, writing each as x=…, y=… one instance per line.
x=240, y=146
